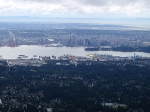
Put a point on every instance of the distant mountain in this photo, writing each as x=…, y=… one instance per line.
x=20, y=17
x=57, y=18
x=142, y=18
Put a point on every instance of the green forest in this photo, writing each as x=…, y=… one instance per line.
x=77, y=88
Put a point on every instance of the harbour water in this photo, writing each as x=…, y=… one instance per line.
x=32, y=50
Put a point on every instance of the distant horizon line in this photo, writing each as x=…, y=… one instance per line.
x=37, y=17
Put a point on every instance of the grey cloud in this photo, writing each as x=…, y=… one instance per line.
x=82, y=6
x=109, y=2
x=94, y=2
x=43, y=1
x=97, y=3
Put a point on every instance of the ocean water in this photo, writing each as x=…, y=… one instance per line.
x=30, y=51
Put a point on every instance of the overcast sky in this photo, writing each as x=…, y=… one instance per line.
x=76, y=8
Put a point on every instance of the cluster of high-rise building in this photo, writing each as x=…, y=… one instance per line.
x=75, y=37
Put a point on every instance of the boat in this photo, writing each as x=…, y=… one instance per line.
x=34, y=55
x=21, y=55
x=25, y=57
x=92, y=49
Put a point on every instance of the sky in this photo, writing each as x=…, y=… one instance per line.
x=110, y=9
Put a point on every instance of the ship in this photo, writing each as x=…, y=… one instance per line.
x=92, y=49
